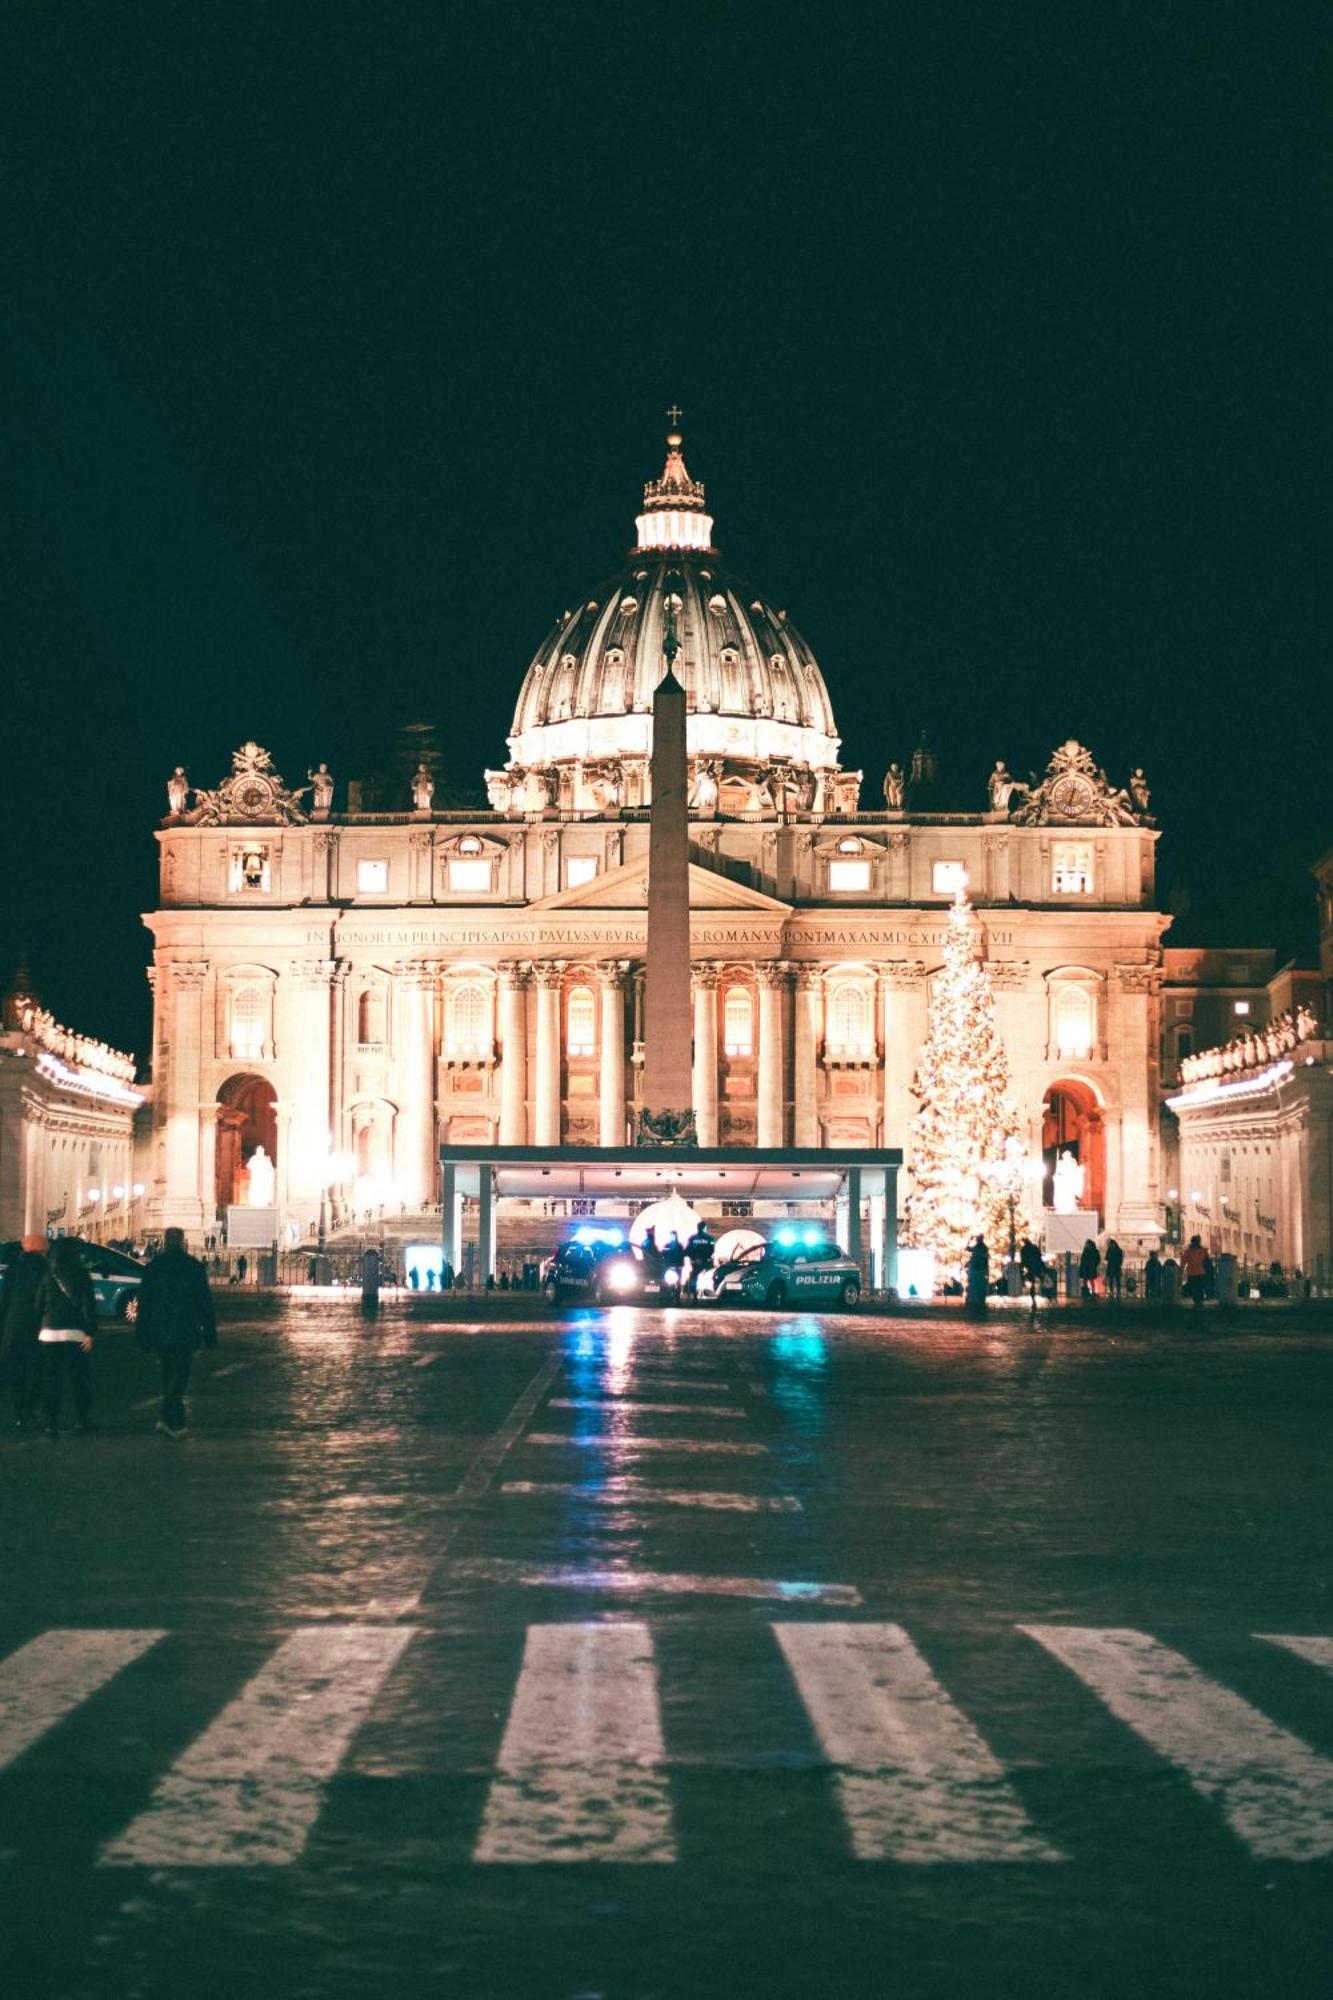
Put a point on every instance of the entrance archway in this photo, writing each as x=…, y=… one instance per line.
x=247, y=1118
x=1071, y=1121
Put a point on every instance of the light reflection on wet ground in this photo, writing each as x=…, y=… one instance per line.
x=957, y=1480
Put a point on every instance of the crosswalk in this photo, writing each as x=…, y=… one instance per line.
x=584, y=1771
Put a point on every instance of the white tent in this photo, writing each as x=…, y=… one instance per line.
x=672, y=1217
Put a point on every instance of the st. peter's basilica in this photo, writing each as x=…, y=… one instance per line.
x=353, y=987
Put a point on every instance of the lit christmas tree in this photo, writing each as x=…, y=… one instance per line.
x=966, y=1115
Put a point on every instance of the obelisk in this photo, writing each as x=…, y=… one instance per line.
x=667, y=1116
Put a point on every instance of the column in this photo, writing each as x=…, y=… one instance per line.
x=704, y=1077
x=772, y=1124
x=514, y=1054
x=451, y=1239
x=549, y=975
x=903, y=999
x=889, y=1261
x=305, y=1040
x=186, y=1202
x=805, y=1057
x=611, y=980
x=418, y=1144
x=485, y=1225
x=854, y=1214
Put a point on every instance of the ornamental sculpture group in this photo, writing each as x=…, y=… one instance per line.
x=1255, y=1048
x=1075, y=791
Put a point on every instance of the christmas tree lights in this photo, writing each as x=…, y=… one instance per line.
x=966, y=1115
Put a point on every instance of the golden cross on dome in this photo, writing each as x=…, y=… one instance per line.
x=674, y=414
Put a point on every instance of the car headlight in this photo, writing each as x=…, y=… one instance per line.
x=671, y=1275
x=621, y=1278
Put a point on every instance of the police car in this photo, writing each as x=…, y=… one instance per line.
x=595, y=1265
x=794, y=1267
x=116, y=1278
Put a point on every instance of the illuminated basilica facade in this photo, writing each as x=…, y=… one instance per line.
x=348, y=988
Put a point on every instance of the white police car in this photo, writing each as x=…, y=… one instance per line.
x=797, y=1266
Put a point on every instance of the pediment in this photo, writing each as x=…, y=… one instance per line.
x=626, y=888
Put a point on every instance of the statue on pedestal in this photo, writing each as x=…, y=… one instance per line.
x=178, y=792
x=262, y=1176
x=1138, y=790
x=1067, y=1184
x=607, y=784
x=423, y=788
x=1002, y=785
x=893, y=788
x=321, y=788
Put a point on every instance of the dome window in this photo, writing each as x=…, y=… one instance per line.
x=628, y=606
x=717, y=602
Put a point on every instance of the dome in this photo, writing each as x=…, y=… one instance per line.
x=755, y=697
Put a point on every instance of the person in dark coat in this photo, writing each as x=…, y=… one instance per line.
x=1152, y=1276
x=67, y=1321
x=20, y=1318
x=1115, y=1265
x=1031, y=1265
x=1089, y=1263
x=175, y=1321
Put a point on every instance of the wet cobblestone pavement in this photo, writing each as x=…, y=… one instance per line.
x=636, y=1654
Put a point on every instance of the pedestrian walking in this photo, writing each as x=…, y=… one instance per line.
x=1115, y=1265
x=1152, y=1276
x=20, y=1320
x=1194, y=1270
x=67, y=1321
x=175, y=1321
x=978, y=1276
x=1031, y=1265
x=1089, y=1264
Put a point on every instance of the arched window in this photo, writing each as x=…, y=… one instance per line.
x=738, y=1022
x=581, y=1033
x=849, y=1025
x=370, y=1018
x=1074, y=1021
x=249, y=1019
x=467, y=1031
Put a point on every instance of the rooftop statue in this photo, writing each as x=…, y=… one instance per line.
x=893, y=788
x=178, y=792
x=423, y=788
x=1002, y=786
x=321, y=786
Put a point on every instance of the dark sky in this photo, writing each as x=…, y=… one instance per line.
x=334, y=342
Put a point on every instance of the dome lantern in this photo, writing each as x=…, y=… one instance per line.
x=674, y=513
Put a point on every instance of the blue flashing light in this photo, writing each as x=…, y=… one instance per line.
x=785, y=1236
x=812, y=1236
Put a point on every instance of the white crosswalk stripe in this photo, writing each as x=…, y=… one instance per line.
x=1275, y=1791
x=1317, y=1650
x=46, y=1680
x=580, y=1775
x=915, y=1780
x=248, y=1791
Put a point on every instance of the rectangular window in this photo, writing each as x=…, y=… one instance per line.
x=1071, y=868
x=250, y=870
x=849, y=875
x=1240, y=1006
x=469, y=878
x=580, y=868
x=372, y=877
x=948, y=877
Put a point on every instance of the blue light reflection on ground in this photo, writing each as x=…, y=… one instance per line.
x=800, y=1357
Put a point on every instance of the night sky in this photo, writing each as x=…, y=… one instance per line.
x=335, y=341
